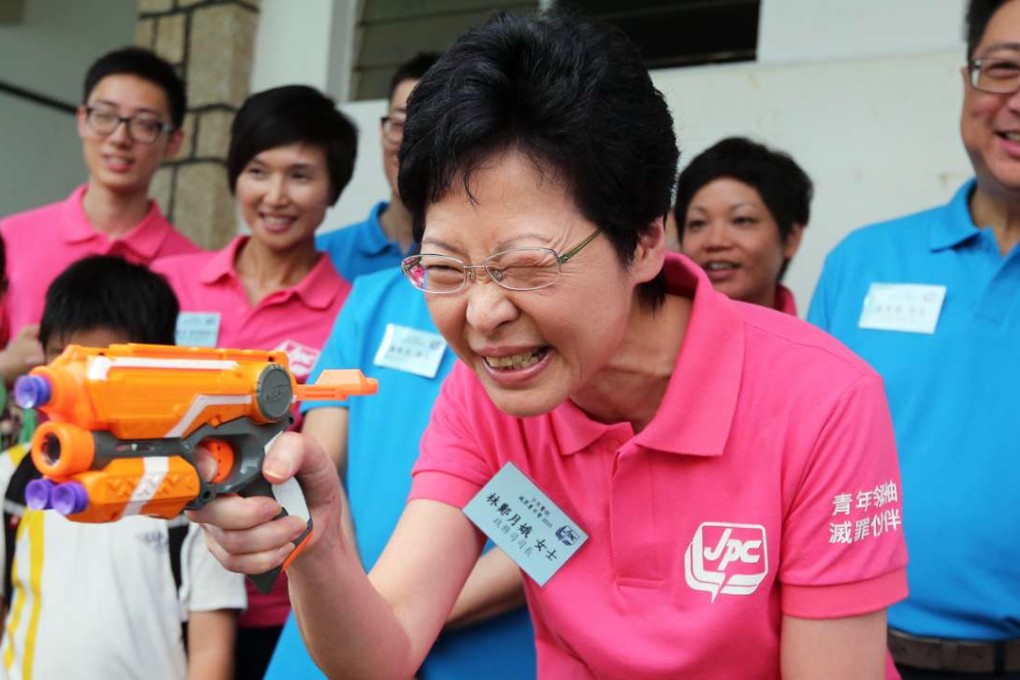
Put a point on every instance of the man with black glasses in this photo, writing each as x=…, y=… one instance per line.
x=129, y=122
x=384, y=238
x=931, y=301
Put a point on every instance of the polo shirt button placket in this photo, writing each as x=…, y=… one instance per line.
x=637, y=554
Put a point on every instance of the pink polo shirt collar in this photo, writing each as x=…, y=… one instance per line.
x=317, y=290
x=145, y=238
x=701, y=398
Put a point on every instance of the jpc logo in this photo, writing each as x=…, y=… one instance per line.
x=731, y=559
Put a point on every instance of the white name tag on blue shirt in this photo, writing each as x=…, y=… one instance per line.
x=525, y=524
x=411, y=350
x=197, y=329
x=906, y=307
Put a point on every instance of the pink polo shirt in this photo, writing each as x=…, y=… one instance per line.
x=765, y=485
x=297, y=320
x=41, y=243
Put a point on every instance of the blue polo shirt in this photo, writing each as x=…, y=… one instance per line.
x=954, y=396
x=361, y=248
x=384, y=434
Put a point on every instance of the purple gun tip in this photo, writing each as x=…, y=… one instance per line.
x=37, y=494
x=69, y=498
x=32, y=391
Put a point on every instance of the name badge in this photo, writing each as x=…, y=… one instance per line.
x=525, y=524
x=197, y=329
x=906, y=307
x=411, y=350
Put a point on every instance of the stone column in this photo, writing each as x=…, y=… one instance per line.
x=211, y=44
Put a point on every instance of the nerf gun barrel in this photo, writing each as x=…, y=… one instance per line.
x=127, y=423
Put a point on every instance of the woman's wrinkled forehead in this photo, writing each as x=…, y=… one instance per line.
x=502, y=202
x=461, y=181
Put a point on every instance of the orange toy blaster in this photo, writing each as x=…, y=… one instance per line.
x=126, y=421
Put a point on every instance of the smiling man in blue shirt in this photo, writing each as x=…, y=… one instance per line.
x=931, y=301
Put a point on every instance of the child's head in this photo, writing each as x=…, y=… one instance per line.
x=102, y=300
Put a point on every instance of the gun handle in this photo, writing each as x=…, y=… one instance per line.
x=292, y=502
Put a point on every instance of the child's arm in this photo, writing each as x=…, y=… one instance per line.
x=215, y=597
x=211, y=644
x=23, y=352
x=10, y=459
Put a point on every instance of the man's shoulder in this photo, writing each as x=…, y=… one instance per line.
x=911, y=228
x=338, y=235
x=377, y=285
x=177, y=243
x=186, y=267
x=380, y=298
x=30, y=222
x=886, y=237
x=351, y=230
x=182, y=260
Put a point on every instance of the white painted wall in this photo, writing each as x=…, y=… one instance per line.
x=368, y=185
x=48, y=52
x=817, y=30
x=313, y=46
x=57, y=40
x=40, y=155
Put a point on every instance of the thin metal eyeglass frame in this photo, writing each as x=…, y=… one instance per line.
x=561, y=259
x=164, y=127
x=385, y=121
x=974, y=71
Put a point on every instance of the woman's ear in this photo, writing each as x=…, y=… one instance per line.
x=650, y=251
x=792, y=243
x=673, y=241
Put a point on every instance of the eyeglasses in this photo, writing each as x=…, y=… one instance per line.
x=513, y=268
x=998, y=73
x=144, y=130
x=393, y=129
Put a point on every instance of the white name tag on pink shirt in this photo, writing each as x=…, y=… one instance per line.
x=410, y=350
x=197, y=329
x=905, y=307
x=525, y=524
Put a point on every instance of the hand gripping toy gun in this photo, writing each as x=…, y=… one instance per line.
x=126, y=423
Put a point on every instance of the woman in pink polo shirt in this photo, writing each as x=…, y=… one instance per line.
x=741, y=209
x=694, y=488
x=291, y=154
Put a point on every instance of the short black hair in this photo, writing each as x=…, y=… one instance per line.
x=412, y=69
x=293, y=114
x=104, y=291
x=783, y=185
x=144, y=64
x=979, y=13
x=571, y=95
